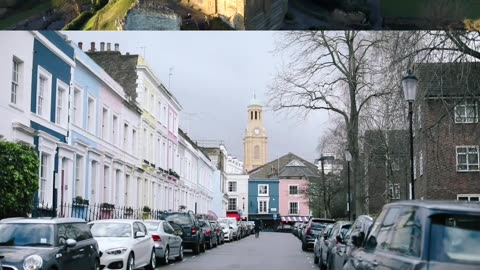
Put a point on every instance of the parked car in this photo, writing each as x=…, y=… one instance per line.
x=344, y=246
x=47, y=243
x=218, y=231
x=232, y=222
x=302, y=230
x=227, y=231
x=210, y=236
x=124, y=244
x=251, y=226
x=296, y=228
x=339, y=229
x=422, y=235
x=192, y=235
x=168, y=243
x=317, y=246
x=314, y=227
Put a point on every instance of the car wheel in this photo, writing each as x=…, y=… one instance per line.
x=130, y=262
x=180, y=255
x=203, y=247
x=166, y=256
x=96, y=265
x=315, y=259
x=153, y=261
x=196, y=248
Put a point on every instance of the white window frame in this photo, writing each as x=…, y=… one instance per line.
x=290, y=208
x=467, y=153
x=79, y=184
x=298, y=190
x=78, y=106
x=91, y=116
x=263, y=194
x=232, y=186
x=463, y=119
x=61, y=113
x=134, y=141
x=16, y=86
x=43, y=179
x=45, y=107
x=126, y=132
x=267, y=206
x=115, y=129
x=468, y=196
x=235, y=208
x=105, y=123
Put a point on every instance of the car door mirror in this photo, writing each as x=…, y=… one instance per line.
x=139, y=234
x=70, y=243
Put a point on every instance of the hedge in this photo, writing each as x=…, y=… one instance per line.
x=18, y=179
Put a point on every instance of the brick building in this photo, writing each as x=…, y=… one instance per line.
x=447, y=132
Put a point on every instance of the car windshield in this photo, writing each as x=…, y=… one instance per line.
x=318, y=226
x=181, y=219
x=111, y=229
x=151, y=226
x=21, y=234
x=455, y=239
x=224, y=225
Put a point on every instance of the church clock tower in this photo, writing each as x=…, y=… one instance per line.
x=255, y=140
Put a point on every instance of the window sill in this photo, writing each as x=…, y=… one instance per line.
x=472, y=171
x=14, y=106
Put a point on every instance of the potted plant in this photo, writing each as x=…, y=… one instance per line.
x=146, y=212
x=80, y=207
x=128, y=211
x=106, y=210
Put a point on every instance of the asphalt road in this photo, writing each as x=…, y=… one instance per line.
x=279, y=251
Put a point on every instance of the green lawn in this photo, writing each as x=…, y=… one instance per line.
x=25, y=12
x=416, y=8
x=106, y=17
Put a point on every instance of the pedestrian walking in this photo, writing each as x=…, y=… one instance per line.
x=258, y=227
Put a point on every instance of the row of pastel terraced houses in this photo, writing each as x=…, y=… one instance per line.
x=104, y=126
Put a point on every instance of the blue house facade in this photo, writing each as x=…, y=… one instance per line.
x=52, y=71
x=263, y=201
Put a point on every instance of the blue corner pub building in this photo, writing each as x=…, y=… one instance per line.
x=263, y=201
x=53, y=65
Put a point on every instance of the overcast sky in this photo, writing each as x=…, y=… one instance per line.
x=214, y=77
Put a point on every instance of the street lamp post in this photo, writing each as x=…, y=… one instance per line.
x=348, y=158
x=322, y=159
x=409, y=84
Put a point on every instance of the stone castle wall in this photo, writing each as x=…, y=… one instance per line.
x=245, y=14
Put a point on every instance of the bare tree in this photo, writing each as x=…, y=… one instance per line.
x=336, y=72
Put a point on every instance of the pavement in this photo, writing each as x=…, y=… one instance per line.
x=272, y=250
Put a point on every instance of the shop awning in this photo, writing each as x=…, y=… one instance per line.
x=295, y=219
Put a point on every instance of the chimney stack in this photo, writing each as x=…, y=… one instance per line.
x=102, y=46
x=117, y=47
x=109, y=46
x=80, y=45
x=92, y=46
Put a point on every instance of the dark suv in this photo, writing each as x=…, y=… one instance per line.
x=422, y=235
x=47, y=243
x=313, y=228
x=193, y=235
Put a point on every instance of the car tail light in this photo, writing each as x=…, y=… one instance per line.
x=194, y=230
x=156, y=238
x=208, y=232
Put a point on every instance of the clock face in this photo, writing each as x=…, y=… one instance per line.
x=256, y=131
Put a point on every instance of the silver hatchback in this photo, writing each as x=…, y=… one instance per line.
x=168, y=243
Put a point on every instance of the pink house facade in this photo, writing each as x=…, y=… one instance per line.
x=293, y=201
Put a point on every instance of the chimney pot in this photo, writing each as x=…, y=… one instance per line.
x=92, y=46
x=117, y=47
x=80, y=45
x=109, y=46
x=102, y=46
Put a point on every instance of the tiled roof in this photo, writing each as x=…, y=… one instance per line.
x=278, y=167
x=448, y=79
